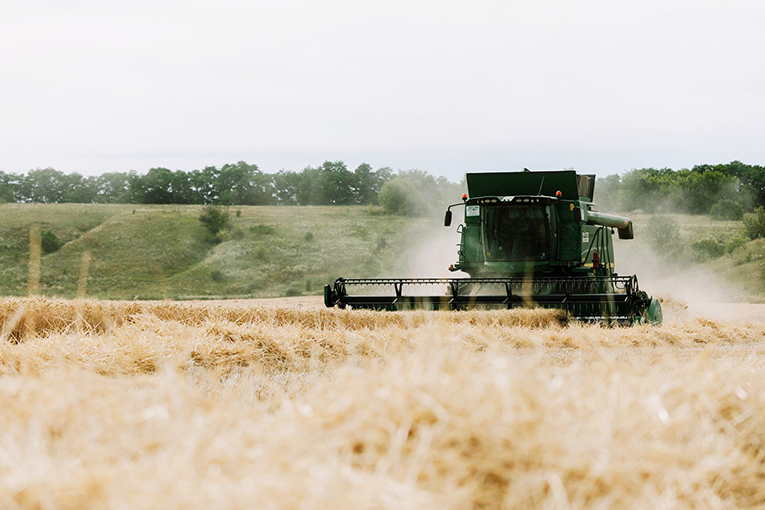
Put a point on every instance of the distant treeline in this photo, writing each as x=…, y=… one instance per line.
x=411, y=192
x=232, y=184
x=694, y=191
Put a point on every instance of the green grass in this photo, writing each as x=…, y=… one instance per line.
x=68, y=221
x=156, y=252
x=691, y=226
x=745, y=268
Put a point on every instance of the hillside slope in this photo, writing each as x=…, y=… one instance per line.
x=68, y=221
x=744, y=268
x=158, y=252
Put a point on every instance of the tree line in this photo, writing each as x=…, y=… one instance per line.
x=698, y=190
x=240, y=183
x=733, y=187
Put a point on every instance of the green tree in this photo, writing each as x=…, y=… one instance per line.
x=113, y=187
x=215, y=218
x=663, y=234
x=78, y=189
x=641, y=189
x=244, y=184
x=153, y=188
x=696, y=192
x=369, y=183
x=726, y=209
x=286, y=185
x=310, y=188
x=398, y=196
x=43, y=186
x=754, y=223
x=182, y=189
x=9, y=187
x=751, y=177
x=205, y=184
x=418, y=193
x=606, y=192
x=338, y=183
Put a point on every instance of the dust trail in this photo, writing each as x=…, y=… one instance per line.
x=432, y=253
x=687, y=291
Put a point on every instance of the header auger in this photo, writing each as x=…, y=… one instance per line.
x=528, y=239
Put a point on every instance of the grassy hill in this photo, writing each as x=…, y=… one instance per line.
x=736, y=274
x=744, y=268
x=157, y=252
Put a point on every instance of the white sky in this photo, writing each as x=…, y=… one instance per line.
x=603, y=86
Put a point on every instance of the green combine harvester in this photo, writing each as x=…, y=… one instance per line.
x=528, y=239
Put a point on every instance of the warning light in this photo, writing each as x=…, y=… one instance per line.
x=558, y=194
x=464, y=196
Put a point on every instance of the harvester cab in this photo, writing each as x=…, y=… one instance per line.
x=527, y=239
x=535, y=224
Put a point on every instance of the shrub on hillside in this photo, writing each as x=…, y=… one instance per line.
x=727, y=209
x=49, y=241
x=223, y=236
x=735, y=242
x=663, y=233
x=754, y=223
x=707, y=248
x=215, y=218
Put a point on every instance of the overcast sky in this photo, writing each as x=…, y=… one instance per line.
x=603, y=86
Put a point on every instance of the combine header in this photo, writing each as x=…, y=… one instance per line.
x=528, y=239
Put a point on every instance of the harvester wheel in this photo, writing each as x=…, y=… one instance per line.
x=654, y=313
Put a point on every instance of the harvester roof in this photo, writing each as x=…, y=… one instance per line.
x=571, y=185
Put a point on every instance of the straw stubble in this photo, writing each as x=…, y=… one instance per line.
x=198, y=406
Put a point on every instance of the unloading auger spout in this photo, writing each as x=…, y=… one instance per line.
x=527, y=239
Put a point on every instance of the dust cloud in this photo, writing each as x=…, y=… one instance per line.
x=687, y=291
x=432, y=252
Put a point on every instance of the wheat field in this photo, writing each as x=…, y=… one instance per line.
x=168, y=405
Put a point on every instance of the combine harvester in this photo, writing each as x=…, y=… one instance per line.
x=529, y=239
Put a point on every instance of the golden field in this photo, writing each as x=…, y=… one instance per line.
x=168, y=405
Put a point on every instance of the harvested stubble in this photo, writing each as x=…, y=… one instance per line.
x=37, y=316
x=190, y=406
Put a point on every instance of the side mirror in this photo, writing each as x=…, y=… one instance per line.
x=577, y=214
x=448, y=218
